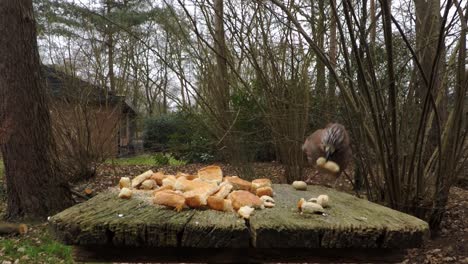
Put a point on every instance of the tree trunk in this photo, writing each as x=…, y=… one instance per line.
x=34, y=188
x=428, y=22
x=320, y=85
x=333, y=47
x=373, y=25
x=221, y=56
x=110, y=50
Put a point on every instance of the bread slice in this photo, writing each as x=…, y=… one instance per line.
x=259, y=183
x=188, y=185
x=264, y=191
x=158, y=177
x=195, y=201
x=238, y=183
x=170, y=199
x=169, y=180
x=149, y=184
x=224, y=190
x=141, y=178
x=211, y=174
x=244, y=198
x=125, y=193
x=125, y=182
x=198, y=197
x=165, y=188
x=219, y=204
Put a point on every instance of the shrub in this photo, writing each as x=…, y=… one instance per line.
x=180, y=134
x=162, y=159
x=158, y=131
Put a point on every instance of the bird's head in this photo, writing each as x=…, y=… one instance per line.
x=332, y=140
x=329, y=151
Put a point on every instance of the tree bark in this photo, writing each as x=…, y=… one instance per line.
x=321, y=81
x=221, y=56
x=110, y=49
x=34, y=188
x=333, y=50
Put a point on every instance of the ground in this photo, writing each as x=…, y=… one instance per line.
x=39, y=247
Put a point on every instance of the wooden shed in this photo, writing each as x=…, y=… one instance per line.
x=89, y=116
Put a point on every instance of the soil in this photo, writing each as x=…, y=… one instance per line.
x=450, y=246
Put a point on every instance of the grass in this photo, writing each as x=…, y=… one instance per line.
x=144, y=159
x=37, y=246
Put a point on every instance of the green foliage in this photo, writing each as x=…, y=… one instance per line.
x=162, y=159
x=251, y=128
x=181, y=135
x=158, y=132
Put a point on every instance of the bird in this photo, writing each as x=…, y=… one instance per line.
x=332, y=143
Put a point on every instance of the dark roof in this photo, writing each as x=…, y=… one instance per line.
x=72, y=88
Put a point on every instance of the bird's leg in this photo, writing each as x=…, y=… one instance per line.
x=334, y=184
x=309, y=179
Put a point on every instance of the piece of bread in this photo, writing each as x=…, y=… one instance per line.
x=211, y=174
x=13, y=228
x=125, y=193
x=141, y=178
x=300, y=185
x=323, y=200
x=149, y=184
x=245, y=211
x=181, y=174
x=329, y=167
x=219, y=204
x=125, y=182
x=198, y=197
x=169, y=180
x=158, y=177
x=165, y=188
x=264, y=191
x=244, y=198
x=195, y=201
x=238, y=183
x=170, y=199
x=268, y=202
x=224, y=190
x=186, y=176
x=185, y=185
x=259, y=183
x=309, y=207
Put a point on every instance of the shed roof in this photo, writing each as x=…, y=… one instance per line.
x=67, y=86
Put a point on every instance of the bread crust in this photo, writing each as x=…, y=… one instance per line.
x=264, y=191
x=170, y=199
x=238, y=183
x=211, y=173
x=244, y=198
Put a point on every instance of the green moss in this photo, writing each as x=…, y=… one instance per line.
x=348, y=223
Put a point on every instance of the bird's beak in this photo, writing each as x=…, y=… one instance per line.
x=327, y=155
